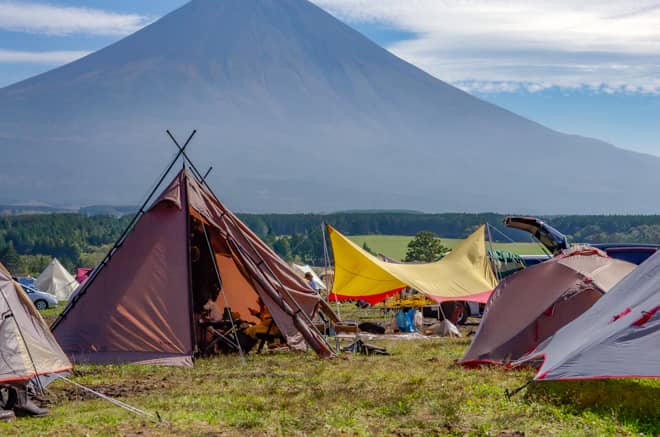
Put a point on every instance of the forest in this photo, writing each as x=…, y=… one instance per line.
x=27, y=242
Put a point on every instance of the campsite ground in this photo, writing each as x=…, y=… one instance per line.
x=417, y=390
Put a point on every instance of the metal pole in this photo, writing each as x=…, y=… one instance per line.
x=191, y=300
x=492, y=251
x=207, y=173
x=326, y=255
x=122, y=237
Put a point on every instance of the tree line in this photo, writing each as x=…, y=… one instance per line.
x=27, y=242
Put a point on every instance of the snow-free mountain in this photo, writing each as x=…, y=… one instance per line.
x=295, y=111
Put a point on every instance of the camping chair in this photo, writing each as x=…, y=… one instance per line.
x=267, y=337
x=224, y=335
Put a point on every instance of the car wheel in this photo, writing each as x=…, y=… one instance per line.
x=41, y=305
x=465, y=313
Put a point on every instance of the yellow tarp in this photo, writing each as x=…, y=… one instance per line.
x=464, y=274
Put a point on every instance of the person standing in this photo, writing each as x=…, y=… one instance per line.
x=312, y=283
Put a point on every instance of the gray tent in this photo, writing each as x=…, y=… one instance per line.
x=27, y=348
x=530, y=306
x=618, y=337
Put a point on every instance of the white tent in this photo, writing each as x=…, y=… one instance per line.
x=307, y=269
x=56, y=280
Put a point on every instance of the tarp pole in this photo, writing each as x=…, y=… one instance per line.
x=326, y=256
x=492, y=252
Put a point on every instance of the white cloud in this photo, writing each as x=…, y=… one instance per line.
x=59, y=20
x=512, y=45
x=52, y=57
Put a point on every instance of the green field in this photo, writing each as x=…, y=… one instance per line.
x=417, y=390
x=395, y=246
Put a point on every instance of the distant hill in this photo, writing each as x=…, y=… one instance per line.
x=116, y=211
x=297, y=112
x=31, y=209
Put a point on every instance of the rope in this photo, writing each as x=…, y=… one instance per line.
x=120, y=404
x=497, y=272
x=501, y=233
x=531, y=239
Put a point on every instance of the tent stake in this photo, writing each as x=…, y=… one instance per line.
x=511, y=393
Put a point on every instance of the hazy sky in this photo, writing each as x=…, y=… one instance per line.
x=585, y=67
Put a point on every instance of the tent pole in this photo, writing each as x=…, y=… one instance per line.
x=492, y=251
x=122, y=237
x=262, y=261
x=207, y=174
x=34, y=366
x=191, y=299
x=224, y=294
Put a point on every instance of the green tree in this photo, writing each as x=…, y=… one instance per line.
x=366, y=247
x=282, y=247
x=425, y=247
x=11, y=259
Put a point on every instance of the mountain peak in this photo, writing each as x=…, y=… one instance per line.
x=298, y=112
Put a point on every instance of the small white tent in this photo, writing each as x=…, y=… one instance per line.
x=56, y=280
x=307, y=269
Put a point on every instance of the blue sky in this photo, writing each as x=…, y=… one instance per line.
x=583, y=67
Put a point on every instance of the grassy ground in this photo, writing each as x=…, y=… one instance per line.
x=418, y=390
x=395, y=245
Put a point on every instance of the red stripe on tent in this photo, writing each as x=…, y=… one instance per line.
x=621, y=314
x=476, y=297
x=592, y=378
x=646, y=317
x=372, y=299
x=32, y=375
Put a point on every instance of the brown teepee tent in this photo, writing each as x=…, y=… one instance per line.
x=27, y=347
x=142, y=303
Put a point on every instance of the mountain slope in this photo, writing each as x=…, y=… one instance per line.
x=296, y=111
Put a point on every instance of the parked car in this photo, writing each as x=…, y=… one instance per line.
x=555, y=241
x=26, y=280
x=40, y=299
